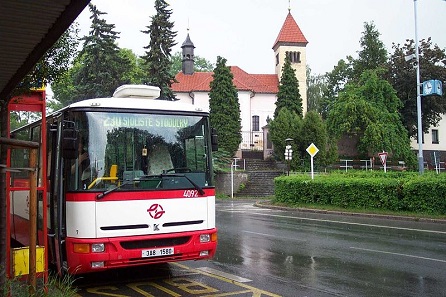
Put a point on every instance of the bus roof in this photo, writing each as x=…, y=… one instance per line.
x=139, y=103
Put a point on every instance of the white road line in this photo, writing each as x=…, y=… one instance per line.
x=398, y=254
x=340, y=222
x=224, y=274
x=269, y=235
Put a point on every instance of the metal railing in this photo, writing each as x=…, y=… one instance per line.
x=252, y=140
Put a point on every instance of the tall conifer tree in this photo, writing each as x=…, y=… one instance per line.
x=157, y=60
x=288, y=95
x=102, y=66
x=225, y=108
x=373, y=53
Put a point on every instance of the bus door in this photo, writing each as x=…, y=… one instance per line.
x=59, y=136
x=52, y=191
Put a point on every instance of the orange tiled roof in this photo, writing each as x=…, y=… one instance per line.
x=290, y=32
x=243, y=81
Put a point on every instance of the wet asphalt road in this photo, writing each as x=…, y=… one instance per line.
x=325, y=255
x=267, y=252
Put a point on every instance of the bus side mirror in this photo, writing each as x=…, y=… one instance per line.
x=70, y=141
x=214, y=140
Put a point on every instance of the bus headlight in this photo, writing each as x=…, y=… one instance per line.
x=205, y=238
x=97, y=248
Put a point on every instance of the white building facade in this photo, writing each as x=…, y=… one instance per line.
x=433, y=141
x=257, y=93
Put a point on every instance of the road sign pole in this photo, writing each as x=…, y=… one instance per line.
x=312, y=171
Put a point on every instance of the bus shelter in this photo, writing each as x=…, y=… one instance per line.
x=26, y=193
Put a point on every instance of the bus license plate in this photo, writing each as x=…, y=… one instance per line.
x=158, y=252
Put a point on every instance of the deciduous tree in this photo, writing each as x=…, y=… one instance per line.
x=316, y=88
x=372, y=55
x=287, y=124
x=314, y=130
x=368, y=108
x=402, y=76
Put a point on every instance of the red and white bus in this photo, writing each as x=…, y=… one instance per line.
x=130, y=182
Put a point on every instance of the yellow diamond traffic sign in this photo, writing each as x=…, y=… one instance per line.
x=312, y=150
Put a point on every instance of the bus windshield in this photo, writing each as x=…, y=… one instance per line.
x=125, y=151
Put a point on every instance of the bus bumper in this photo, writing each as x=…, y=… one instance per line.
x=90, y=255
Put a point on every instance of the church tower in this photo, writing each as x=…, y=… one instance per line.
x=291, y=42
x=187, y=61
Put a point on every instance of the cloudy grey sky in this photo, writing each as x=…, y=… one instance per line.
x=243, y=31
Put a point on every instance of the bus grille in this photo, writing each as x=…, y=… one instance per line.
x=152, y=243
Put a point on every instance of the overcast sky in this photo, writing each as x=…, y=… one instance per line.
x=243, y=31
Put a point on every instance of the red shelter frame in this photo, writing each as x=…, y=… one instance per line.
x=34, y=101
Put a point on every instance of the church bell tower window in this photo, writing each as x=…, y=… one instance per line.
x=294, y=57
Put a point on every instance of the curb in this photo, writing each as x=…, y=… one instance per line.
x=265, y=204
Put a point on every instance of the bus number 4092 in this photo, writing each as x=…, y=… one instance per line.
x=190, y=193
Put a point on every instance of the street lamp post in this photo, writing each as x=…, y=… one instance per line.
x=420, y=127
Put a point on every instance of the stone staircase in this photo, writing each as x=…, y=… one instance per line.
x=261, y=176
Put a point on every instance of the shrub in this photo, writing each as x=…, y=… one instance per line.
x=395, y=191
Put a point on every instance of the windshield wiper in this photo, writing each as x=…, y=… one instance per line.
x=100, y=196
x=141, y=178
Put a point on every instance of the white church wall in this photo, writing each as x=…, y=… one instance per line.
x=263, y=105
x=245, y=110
x=200, y=99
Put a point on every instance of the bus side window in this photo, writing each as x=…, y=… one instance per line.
x=70, y=141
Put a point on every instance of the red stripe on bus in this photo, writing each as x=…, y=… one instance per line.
x=138, y=195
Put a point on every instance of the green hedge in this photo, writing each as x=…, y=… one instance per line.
x=395, y=191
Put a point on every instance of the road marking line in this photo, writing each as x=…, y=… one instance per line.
x=398, y=254
x=135, y=287
x=346, y=223
x=255, y=292
x=229, y=294
x=224, y=274
x=273, y=236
